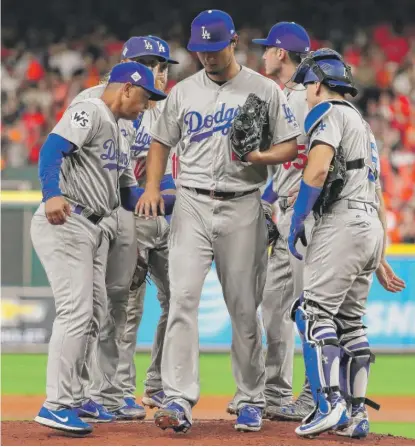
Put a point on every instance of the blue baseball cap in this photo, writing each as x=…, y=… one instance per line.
x=164, y=49
x=141, y=46
x=211, y=30
x=137, y=74
x=287, y=35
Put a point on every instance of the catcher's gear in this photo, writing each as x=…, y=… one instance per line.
x=273, y=233
x=247, y=127
x=328, y=67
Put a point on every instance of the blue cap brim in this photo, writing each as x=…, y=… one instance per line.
x=172, y=61
x=134, y=55
x=207, y=47
x=156, y=95
x=261, y=42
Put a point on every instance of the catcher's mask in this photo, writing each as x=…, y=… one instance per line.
x=328, y=67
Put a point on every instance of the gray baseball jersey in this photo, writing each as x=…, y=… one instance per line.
x=287, y=175
x=100, y=163
x=141, y=144
x=345, y=126
x=200, y=129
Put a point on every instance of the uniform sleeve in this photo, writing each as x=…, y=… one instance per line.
x=166, y=128
x=328, y=131
x=79, y=124
x=282, y=123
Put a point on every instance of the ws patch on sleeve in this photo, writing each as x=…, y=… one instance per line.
x=81, y=120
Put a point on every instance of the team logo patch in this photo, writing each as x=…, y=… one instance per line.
x=81, y=120
x=162, y=48
x=124, y=51
x=136, y=76
x=278, y=41
x=148, y=45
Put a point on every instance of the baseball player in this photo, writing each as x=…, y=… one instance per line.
x=85, y=174
x=152, y=241
x=101, y=383
x=341, y=185
x=286, y=44
x=217, y=213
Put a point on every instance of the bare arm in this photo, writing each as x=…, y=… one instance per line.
x=318, y=165
x=277, y=154
x=382, y=218
x=157, y=157
x=151, y=199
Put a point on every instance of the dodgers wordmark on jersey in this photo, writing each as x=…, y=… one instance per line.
x=100, y=164
x=197, y=129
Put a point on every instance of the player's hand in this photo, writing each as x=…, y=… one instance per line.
x=297, y=231
x=56, y=210
x=149, y=203
x=388, y=279
x=292, y=195
x=253, y=157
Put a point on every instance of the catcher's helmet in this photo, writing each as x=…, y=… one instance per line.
x=328, y=67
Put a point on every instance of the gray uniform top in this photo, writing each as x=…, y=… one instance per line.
x=126, y=126
x=197, y=117
x=93, y=174
x=287, y=175
x=344, y=126
x=137, y=132
x=141, y=144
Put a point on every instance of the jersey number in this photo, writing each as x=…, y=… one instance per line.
x=174, y=165
x=301, y=160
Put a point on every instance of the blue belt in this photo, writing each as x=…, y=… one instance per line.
x=94, y=218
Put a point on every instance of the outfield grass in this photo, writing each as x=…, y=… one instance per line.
x=405, y=429
x=392, y=375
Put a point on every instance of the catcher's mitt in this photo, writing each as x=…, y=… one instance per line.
x=247, y=127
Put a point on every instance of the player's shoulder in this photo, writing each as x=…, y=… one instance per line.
x=93, y=92
x=254, y=76
x=184, y=84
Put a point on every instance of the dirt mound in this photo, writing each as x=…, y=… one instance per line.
x=203, y=432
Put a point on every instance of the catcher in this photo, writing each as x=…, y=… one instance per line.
x=218, y=211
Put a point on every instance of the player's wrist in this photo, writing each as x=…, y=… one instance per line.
x=50, y=195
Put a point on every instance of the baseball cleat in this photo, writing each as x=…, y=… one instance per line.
x=249, y=419
x=66, y=420
x=321, y=422
x=358, y=425
x=91, y=411
x=231, y=408
x=294, y=411
x=153, y=399
x=172, y=416
x=130, y=411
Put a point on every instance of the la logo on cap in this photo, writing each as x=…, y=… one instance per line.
x=148, y=45
x=136, y=76
x=161, y=47
x=125, y=51
x=205, y=34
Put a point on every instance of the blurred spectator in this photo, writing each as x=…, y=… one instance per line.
x=42, y=74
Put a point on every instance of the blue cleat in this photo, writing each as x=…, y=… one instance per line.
x=153, y=400
x=358, y=425
x=172, y=416
x=66, y=420
x=91, y=411
x=130, y=411
x=249, y=419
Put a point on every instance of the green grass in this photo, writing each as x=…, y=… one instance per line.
x=405, y=429
x=24, y=374
x=391, y=375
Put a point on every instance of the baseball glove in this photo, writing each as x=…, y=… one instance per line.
x=273, y=233
x=247, y=127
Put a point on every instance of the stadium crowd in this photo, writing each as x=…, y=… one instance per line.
x=39, y=81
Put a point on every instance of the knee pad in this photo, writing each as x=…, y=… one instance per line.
x=355, y=361
x=321, y=351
